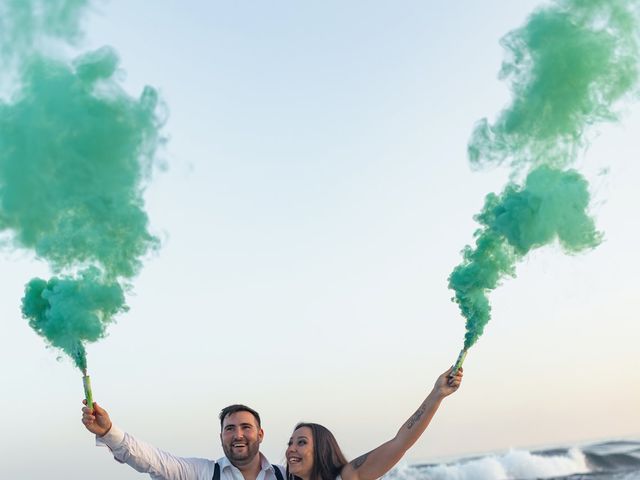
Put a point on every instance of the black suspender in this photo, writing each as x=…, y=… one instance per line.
x=216, y=472
x=277, y=472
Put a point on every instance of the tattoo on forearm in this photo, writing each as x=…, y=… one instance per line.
x=416, y=416
x=358, y=462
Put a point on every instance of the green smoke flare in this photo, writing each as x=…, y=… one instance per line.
x=569, y=66
x=75, y=150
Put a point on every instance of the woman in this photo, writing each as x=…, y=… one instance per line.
x=314, y=454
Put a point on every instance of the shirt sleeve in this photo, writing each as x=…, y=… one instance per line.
x=159, y=464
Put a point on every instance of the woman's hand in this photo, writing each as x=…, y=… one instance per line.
x=447, y=384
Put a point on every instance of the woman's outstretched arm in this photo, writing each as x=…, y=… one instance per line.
x=379, y=461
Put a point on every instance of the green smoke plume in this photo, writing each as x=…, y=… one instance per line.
x=75, y=150
x=70, y=148
x=72, y=311
x=26, y=23
x=552, y=205
x=569, y=67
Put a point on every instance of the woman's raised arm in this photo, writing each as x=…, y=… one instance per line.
x=379, y=461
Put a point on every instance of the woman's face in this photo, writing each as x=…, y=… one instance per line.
x=300, y=453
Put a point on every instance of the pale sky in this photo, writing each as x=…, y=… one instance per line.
x=316, y=198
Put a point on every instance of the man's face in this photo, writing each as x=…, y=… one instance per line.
x=240, y=437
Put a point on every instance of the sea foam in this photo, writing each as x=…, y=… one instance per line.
x=512, y=465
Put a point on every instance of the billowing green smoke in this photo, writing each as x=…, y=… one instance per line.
x=75, y=149
x=26, y=24
x=569, y=67
x=72, y=311
x=552, y=205
x=71, y=143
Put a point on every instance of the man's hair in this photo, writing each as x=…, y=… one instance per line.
x=231, y=409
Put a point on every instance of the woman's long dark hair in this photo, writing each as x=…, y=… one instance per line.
x=328, y=459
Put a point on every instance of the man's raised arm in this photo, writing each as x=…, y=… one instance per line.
x=141, y=456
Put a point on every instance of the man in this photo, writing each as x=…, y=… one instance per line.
x=241, y=435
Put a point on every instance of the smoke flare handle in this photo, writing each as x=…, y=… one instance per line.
x=458, y=365
x=88, y=394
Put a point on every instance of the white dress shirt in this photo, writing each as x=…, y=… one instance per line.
x=161, y=465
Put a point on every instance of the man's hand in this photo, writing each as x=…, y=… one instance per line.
x=446, y=385
x=96, y=421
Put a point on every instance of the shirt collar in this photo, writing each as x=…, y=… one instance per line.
x=224, y=462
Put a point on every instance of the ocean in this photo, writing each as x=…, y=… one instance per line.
x=615, y=460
